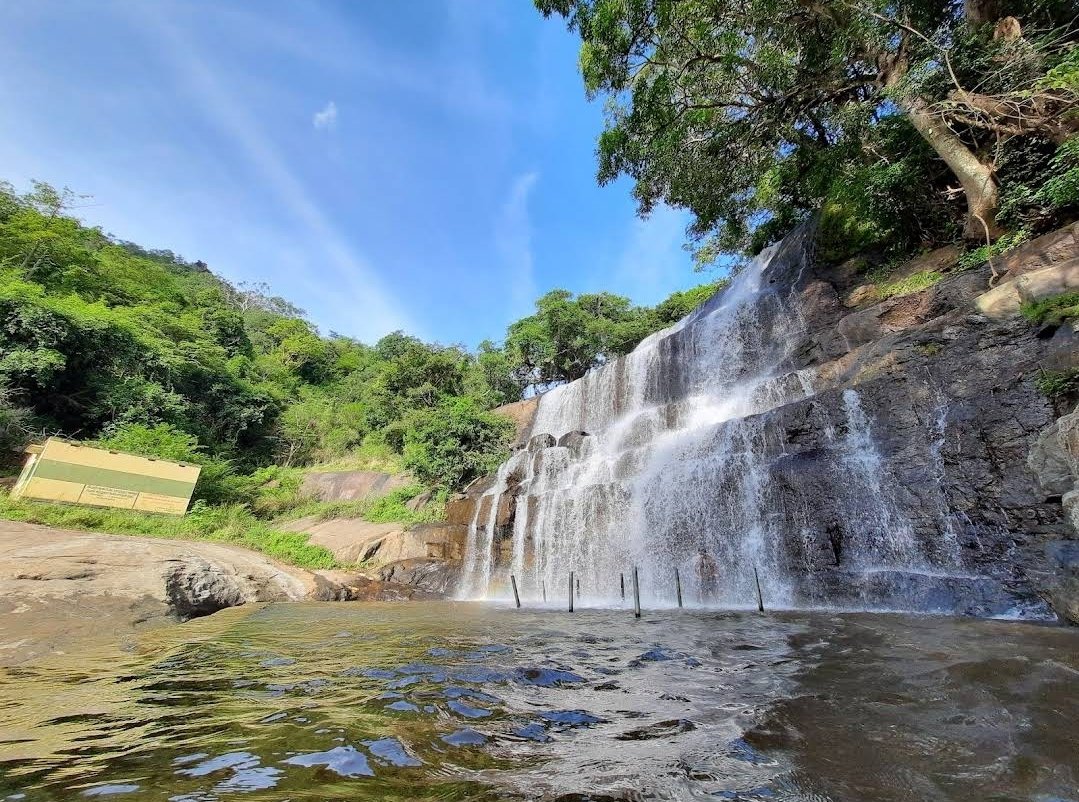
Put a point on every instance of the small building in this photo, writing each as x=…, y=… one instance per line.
x=70, y=472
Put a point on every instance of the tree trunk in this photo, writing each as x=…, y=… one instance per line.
x=976, y=177
x=981, y=12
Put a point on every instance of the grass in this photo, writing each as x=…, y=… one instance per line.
x=979, y=256
x=1058, y=384
x=391, y=508
x=367, y=457
x=883, y=290
x=234, y=523
x=1054, y=310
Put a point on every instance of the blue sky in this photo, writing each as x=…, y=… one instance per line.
x=425, y=165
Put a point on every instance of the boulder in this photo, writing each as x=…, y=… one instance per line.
x=430, y=575
x=522, y=413
x=573, y=441
x=539, y=442
x=1007, y=299
x=460, y=510
x=353, y=540
x=351, y=485
x=1054, y=456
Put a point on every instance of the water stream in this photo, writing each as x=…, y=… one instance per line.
x=463, y=701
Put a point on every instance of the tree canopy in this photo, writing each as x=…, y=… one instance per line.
x=903, y=122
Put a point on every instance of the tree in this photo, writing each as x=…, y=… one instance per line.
x=740, y=112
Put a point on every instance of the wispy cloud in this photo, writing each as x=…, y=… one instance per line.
x=325, y=119
x=653, y=258
x=354, y=292
x=513, y=243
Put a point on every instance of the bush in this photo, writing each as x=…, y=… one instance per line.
x=451, y=445
x=1058, y=384
x=979, y=256
x=1054, y=310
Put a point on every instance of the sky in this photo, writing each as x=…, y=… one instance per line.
x=423, y=165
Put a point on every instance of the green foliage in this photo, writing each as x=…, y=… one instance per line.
x=1058, y=384
x=15, y=426
x=162, y=440
x=755, y=115
x=568, y=336
x=1054, y=310
x=454, y=443
x=911, y=284
x=979, y=256
x=1061, y=188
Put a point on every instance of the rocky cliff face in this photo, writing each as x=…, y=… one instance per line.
x=939, y=383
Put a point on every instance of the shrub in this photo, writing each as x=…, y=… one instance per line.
x=451, y=445
x=1058, y=384
x=978, y=256
x=1054, y=310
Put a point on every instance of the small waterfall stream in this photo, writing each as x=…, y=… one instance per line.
x=668, y=459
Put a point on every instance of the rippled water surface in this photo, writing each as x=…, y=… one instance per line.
x=460, y=701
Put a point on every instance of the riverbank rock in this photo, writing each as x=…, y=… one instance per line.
x=374, y=545
x=60, y=586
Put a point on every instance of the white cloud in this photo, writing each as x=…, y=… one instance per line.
x=513, y=242
x=653, y=262
x=327, y=118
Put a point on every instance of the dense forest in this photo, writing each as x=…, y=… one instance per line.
x=143, y=351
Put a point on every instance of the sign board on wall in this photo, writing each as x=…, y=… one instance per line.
x=63, y=471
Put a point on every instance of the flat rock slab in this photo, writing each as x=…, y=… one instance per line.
x=58, y=585
x=351, y=485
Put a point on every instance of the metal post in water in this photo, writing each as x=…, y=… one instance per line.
x=678, y=586
x=760, y=598
x=571, y=591
x=543, y=587
x=516, y=598
x=622, y=583
x=636, y=594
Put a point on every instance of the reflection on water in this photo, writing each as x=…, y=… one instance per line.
x=459, y=701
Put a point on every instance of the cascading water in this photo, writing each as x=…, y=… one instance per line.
x=668, y=459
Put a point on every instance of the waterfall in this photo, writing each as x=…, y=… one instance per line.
x=675, y=457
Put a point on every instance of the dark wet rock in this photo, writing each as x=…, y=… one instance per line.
x=571, y=718
x=197, y=588
x=546, y=677
x=538, y=442
x=661, y=729
x=573, y=441
x=1064, y=580
x=433, y=575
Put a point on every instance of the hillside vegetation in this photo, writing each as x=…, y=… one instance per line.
x=146, y=352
